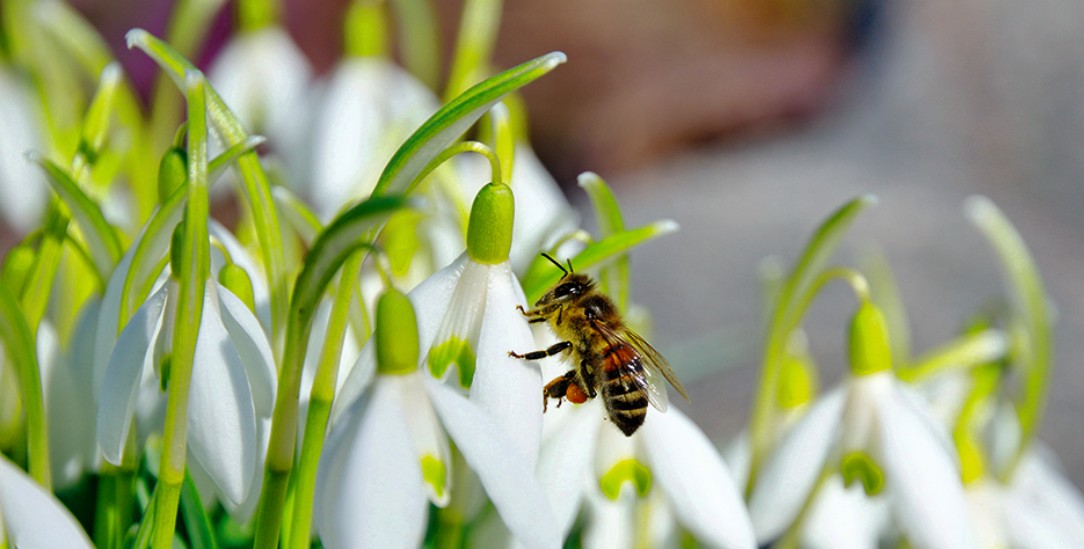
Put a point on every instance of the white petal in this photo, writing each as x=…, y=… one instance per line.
x=1040, y=486
x=510, y=389
x=565, y=460
x=131, y=357
x=696, y=481
x=503, y=470
x=461, y=323
x=22, y=184
x=426, y=433
x=369, y=487
x=921, y=477
x=250, y=341
x=543, y=214
x=432, y=297
x=32, y=517
x=359, y=378
x=611, y=523
x=790, y=472
x=844, y=518
x=221, y=415
x=261, y=294
x=71, y=409
x=369, y=107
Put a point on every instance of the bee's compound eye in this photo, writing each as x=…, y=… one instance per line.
x=568, y=289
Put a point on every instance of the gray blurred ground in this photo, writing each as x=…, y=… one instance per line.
x=953, y=99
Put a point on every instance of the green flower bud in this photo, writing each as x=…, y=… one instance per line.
x=237, y=281
x=489, y=233
x=17, y=267
x=172, y=172
x=396, y=334
x=869, y=349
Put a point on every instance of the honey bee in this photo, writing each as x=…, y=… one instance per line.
x=607, y=356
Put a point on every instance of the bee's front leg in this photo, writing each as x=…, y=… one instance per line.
x=534, y=316
x=539, y=355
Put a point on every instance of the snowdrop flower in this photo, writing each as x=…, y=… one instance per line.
x=468, y=321
x=369, y=107
x=668, y=464
x=233, y=384
x=23, y=189
x=31, y=517
x=388, y=456
x=264, y=79
x=875, y=433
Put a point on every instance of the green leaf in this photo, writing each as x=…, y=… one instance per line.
x=18, y=343
x=410, y=162
x=541, y=275
x=196, y=522
x=615, y=277
x=105, y=248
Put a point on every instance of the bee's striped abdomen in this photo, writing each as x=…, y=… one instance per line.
x=622, y=389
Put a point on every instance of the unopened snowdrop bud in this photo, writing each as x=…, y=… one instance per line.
x=489, y=233
x=172, y=172
x=396, y=334
x=237, y=281
x=17, y=267
x=869, y=349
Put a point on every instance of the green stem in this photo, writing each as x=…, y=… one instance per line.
x=192, y=272
x=320, y=401
x=792, y=538
x=1030, y=303
x=420, y=44
x=478, y=28
x=785, y=317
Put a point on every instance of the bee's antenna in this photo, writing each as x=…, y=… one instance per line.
x=569, y=259
x=558, y=263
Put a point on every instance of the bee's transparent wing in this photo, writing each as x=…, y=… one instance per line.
x=653, y=386
x=654, y=363
x=647, y=367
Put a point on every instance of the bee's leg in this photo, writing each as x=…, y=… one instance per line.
x=538, y=355
x=585, y=372
x=557, y=389
x=534, y=316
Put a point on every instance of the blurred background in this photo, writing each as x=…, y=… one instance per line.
x=748, y=121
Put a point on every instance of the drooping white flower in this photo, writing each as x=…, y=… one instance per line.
x=586, y=459
x=468, y=321
x=31, y=517
x=264, y=79
x=876, y=433
x=233, y=385
x=388, y=455
x=369, y=107
x=23, y=188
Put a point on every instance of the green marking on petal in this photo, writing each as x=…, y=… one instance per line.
x=860, y=467
x=435, y=474
x=626, y=470
x=453, y=351
x=396, y=334
x=870, y=352
x=489, y=233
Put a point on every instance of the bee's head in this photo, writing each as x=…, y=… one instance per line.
x=569, y=287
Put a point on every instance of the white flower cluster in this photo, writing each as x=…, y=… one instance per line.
x=230, y=378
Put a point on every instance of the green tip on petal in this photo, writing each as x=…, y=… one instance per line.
x=869, y=349
x=434, y=474
x=627, y=470
x=396, y=334
x=453, y=351
x=860, y=467
x=237, y=281
x=172, y=172
x=489, y=234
